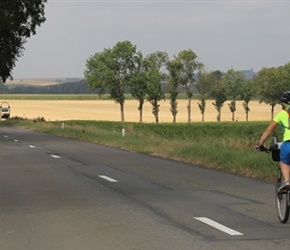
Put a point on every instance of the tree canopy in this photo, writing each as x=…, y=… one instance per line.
x=19, y=19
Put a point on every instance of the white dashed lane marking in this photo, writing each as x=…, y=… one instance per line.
x=31, y=146
x=218, y=226
x=107, y=178
x=55, y=156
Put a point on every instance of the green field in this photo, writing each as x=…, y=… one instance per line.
x=221, y=145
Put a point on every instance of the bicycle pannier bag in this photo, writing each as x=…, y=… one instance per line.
x=275, y=148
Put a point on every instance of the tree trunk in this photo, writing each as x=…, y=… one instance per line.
x=174, y=118
x=122, y=112
x=272, y=112
x=141, y=111
x=189, y=109
x=156, y=117
x=155, y=109
x=219, y=115
x=140, y=115
x=157, y=114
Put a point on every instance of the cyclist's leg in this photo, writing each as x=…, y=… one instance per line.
x=285, y=160
x=285, y=168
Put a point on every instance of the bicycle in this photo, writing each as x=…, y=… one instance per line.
x=282, y=191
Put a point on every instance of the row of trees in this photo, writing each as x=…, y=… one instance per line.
x=122, y=66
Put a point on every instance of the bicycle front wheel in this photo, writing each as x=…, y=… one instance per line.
x=282, y=203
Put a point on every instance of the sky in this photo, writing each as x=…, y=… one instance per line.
x=224, y=34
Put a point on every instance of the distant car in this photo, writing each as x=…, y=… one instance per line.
x=5, y=113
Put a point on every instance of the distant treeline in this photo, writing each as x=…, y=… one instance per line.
x=79, y=87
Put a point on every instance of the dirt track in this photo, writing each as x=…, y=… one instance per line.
x=109, y=110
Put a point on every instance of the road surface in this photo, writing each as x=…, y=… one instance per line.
x=58, y=193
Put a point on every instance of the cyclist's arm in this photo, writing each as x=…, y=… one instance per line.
x=267, y=132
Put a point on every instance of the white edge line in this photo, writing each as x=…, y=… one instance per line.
x=218, y=226
x=107, y=178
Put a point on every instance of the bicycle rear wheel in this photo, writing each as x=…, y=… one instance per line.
x=282, y=203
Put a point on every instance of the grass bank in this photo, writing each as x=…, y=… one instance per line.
x=228, y=146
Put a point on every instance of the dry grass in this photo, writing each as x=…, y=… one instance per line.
x=108, y=110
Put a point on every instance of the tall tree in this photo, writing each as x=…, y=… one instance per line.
x=154, y=64
x=248, y=91
x=205, y=81
x=138, y=85
x=124, y=62
x=219, y=93
x=233, y=82
x=190, y=67
x=19, y=19
x=174, y=68
x=113, y=69
x=154, y=91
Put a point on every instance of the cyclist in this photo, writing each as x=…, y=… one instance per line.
x=282, y=118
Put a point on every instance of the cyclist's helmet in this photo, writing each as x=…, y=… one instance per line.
x=285, y=98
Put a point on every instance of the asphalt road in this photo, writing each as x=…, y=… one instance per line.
x=57, y=193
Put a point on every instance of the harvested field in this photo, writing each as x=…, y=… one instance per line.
x=110, y=111
x=41, y=81
x=32, y=82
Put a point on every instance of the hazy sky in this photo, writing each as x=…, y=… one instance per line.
x=224, y=34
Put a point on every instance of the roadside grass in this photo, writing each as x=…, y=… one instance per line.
x=226, y=146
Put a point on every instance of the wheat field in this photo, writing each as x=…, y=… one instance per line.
x=108, y=110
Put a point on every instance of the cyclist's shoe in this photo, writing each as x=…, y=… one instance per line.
x=284, y=187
